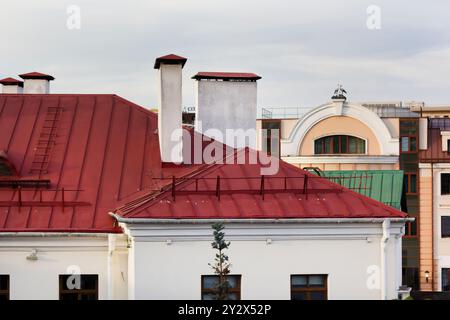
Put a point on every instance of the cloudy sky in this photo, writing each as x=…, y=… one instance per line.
x=302, y=49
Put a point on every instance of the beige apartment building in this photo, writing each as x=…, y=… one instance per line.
x=394, y=152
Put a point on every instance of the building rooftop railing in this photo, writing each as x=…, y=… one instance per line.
x=388, y=109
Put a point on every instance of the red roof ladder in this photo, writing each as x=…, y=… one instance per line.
x=47, y=140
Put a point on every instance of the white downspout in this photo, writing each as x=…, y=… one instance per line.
x=384, y=239
x=111, y=248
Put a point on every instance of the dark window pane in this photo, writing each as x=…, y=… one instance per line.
x=344, y=147
x=405, y=144
x=88, y=297
x=4, y=282
x=336, y=144
x=69, y=296
x=406, y=183
x=413, y=231
x=299, y=281
x=352, y=145
x=233, y=296
x=407, y=229
x=209, y=282
x=328, y=141
x=316, y=281
x=207, y=296
x=299, y=296
x=413, y=181
x=445, y=183
x=445, y=226
x=318, y=295
x=445, y=279
x=413, y=142
x=318, y=146
x=88, y=281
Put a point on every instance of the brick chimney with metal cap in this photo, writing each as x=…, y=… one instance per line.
x=169, y=107
x=36, y=82
x=11, y=85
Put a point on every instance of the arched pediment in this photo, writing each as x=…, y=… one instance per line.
x=388, y=144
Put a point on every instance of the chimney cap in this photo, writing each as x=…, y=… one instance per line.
x=170, y=59
x=242, y=76
x=11, y=82
x=36, y=75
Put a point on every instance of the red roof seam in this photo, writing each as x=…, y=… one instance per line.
x=13, y=133
x=30, y=138
x=87, y=144
x=147, y=137
x=106, y=150
x=125, y=152
x=66, y=148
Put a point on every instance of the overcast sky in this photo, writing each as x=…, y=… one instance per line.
x=302, y=49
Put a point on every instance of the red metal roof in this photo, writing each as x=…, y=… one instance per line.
x=103, y=151
x=36, y=75
x=170, y=59
x=241, y=193
x=226, y=76
x=78, y=157
x=11, y=81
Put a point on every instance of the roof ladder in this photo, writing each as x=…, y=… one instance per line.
x=46, y=141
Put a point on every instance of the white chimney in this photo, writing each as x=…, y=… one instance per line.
x=11, y=85
x=227, y=100
x=169, y=106
x=36, y=82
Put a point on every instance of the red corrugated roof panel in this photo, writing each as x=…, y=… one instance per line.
x=103, y=151
x=226, y=76
x=240, y=196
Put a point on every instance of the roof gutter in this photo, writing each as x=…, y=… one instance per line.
x=257, y=221
x=54, y=234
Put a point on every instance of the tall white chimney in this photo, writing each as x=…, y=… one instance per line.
x=170, y=106
x=11, y=85
x=36, y=82
x=226, y=103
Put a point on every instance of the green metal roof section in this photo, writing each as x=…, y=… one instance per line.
x=385, y=186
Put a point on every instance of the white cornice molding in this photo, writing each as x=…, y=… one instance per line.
x=388, y=144
x=342, y=159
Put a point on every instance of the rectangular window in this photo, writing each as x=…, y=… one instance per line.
x=405, y=144
x=411, y=228
x=410, y=183
x=410, y=277
x=445, y=226
x=448, y=146
x=271, y=131
x=78, y=287
x=4, y=287
x=309, y=287
x=445, y=183
x=209, y=284
x=445, y=279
